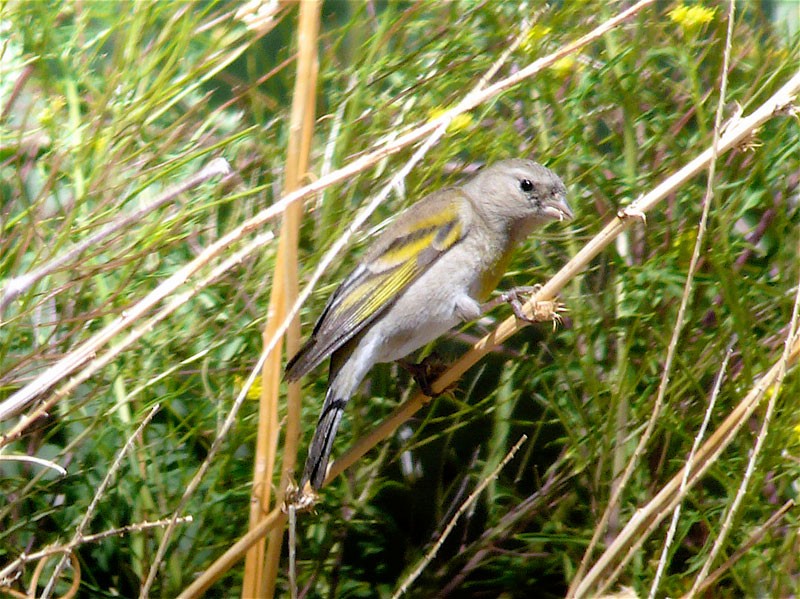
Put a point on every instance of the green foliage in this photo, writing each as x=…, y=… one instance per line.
x=115, y=102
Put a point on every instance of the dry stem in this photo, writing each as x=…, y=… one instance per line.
x=451, y=525
x=261, y=565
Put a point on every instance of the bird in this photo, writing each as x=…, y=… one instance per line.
x=427, y=271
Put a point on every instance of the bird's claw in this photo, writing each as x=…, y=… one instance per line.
x=425, y=372
x=542, y=310
x=302, y=500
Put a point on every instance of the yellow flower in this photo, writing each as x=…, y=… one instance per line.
x=536, y=33
x=691, y=17
x=459, y=122
x=565, y=66
x=254, y=392
x=51, y=110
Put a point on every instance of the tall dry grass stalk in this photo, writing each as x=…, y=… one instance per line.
x=261, y=565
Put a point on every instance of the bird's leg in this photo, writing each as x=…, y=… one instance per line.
x=543, y=310
x=425, y=372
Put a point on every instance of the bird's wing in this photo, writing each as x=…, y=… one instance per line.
x=404, y=251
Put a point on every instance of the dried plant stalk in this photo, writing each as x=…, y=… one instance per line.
x=261, y=565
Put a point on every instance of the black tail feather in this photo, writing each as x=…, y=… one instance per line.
x=319, y=452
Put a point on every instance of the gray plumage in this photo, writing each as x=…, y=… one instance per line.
x=425, y=273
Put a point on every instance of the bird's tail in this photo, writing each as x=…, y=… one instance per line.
x=319, y=452
x=348, y=367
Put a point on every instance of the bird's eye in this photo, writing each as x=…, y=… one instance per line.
x=525, y=185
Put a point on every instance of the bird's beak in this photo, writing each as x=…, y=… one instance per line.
x=558, y=208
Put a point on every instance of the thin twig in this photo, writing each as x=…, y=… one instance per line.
x=680, y=321
x=109, y=477
x=451, y=525
x=7, y=572
x=33, y=460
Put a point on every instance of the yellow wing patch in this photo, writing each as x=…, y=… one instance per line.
x=414, y=244
x=376, y=292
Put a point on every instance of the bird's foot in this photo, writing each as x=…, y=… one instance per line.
x=426, y=372
x=542, y=310
x=301, y=500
